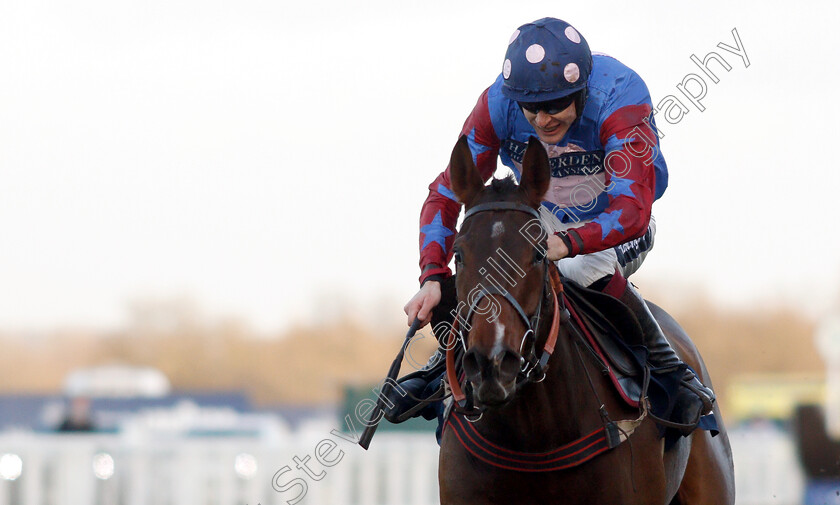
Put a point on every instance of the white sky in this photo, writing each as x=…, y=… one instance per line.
x=262, y=156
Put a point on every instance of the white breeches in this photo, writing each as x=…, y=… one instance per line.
x=588, y=268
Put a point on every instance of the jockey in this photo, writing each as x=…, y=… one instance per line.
x=593, y=115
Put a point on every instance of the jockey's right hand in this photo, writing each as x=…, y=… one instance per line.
x=420, y=306
x=555, y=248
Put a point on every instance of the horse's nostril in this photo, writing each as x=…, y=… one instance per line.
x=471, y=365
x=509, y=364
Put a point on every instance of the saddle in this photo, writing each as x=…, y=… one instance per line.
x=615, y=336
x=613, y=333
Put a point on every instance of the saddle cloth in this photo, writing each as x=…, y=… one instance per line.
x=613, y=333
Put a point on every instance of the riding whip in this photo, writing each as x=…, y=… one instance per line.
x=375, y=415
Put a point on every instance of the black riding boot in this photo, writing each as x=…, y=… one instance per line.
x=415, y=386
x=698, y=399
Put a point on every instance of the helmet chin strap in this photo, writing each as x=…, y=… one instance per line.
x=581, y=102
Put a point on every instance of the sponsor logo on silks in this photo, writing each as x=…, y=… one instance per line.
x=571, y=163
x=631, y=250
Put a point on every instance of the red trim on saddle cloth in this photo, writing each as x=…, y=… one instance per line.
x=567, y=456
x=616, y=286
x=594, y=344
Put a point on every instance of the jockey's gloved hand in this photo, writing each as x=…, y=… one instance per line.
x=420, y=306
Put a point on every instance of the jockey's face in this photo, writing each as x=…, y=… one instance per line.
x=551, y=128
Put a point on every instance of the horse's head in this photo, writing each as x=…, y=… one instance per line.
x=501, y=271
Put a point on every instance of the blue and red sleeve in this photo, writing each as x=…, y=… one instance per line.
x=632, y=147
x=439, y=214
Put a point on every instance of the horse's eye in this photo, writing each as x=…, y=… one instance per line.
x=539, y=254
x=458, y=259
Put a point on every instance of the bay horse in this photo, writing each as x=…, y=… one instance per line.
x=520, y=422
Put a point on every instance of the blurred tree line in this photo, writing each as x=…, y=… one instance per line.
x=310, y=364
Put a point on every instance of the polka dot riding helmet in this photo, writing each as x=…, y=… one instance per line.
x=545, y=60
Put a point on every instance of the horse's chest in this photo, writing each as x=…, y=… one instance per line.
x=465, y=480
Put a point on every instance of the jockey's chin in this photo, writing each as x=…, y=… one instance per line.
x=551, y=128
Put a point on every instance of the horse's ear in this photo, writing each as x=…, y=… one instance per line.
x=466, y=181
x=536, y=173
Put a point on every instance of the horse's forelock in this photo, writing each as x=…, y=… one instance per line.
x=500, y=188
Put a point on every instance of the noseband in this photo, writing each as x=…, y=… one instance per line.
x=532, y=368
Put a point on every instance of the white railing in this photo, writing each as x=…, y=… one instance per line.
x=62, y=470
x=767, y=469
x=399, y=469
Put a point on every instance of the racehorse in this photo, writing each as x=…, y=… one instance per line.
x=529, y=420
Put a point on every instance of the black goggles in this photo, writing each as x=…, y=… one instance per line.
x=551, y=106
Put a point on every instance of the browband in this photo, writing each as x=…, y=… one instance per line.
x=491, y=206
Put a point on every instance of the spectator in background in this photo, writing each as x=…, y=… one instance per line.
x=78, y=416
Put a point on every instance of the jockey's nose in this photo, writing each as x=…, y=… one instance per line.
x=542, y=119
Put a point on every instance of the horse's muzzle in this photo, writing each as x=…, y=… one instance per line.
x=493, y=377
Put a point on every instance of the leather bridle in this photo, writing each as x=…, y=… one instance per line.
x=532, y=367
